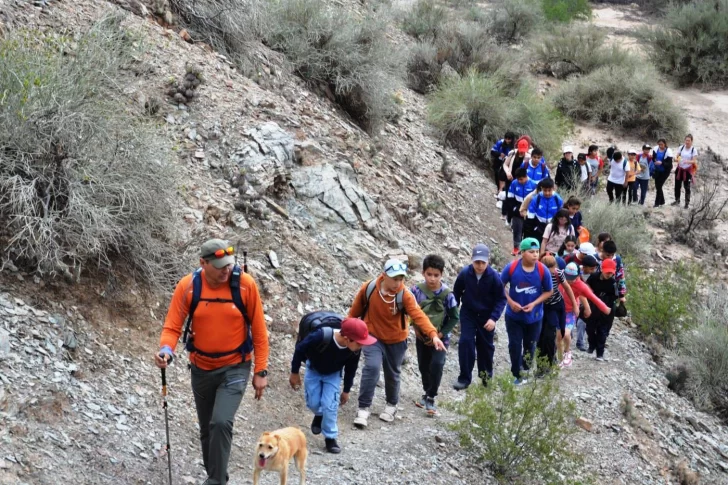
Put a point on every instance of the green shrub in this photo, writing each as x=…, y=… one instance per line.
x=423, y=69
x=625, y=98
x=519, y=432
x=663, y=301
x=566, y=10
x=627, y=225
x=691, y=43
x=349, y=55
x=423, y=21
x=567, y=50
x=514, y=20
x=706, y=359
x=84, y=182
x=477, y=109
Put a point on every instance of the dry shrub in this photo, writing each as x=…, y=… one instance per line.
x=84, y=181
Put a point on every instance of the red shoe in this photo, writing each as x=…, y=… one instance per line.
x=514, y=252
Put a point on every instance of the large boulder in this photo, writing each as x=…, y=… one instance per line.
x=267, y=154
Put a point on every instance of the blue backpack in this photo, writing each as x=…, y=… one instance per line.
x=246, y=347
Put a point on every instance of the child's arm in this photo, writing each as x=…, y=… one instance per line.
x=526, y=202
x=302, y=348
x=621, y=280
x=459, y=287
x=574, y=305
x=357, y=306
x=589, y=294
x=349, y=373
x=453, y=315
x=500, y=296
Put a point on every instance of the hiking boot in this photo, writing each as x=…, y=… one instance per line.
x=460, y=385
x=430, y=406
x=316, y=424
x=362, y=418
x=332, y=446
x=389, y=413
x=421, y=403
x=677, y=202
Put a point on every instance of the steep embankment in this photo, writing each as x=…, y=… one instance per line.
x=79, y=396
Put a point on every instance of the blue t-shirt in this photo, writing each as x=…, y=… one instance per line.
x=525, y=288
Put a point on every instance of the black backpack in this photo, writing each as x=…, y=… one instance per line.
x=311, y=322
x=187, y=339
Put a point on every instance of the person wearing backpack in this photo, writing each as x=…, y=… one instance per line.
x=646, y=169
x=383, y=304
x=479, y=291
x=634, y=169
x=498, y=154
x=662, y=160
x=327, y=352
x=221, y=336
x=439, y=304
x=536, y=167
x=517, y=192
x=687, y=167
x=529, y=285
x=598, y=324
x=542, y=207
x=596, y=164
x=617, y=180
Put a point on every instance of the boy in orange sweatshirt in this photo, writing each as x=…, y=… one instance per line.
x=384, y=309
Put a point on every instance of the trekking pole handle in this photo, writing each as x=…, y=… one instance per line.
x=164, y=382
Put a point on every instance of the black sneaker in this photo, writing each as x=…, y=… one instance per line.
x=460, y=386
x=591, y=350
x=332, y=446
x=677, y=202
x=316, y=424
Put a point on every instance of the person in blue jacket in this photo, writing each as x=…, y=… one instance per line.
x=536, y=167
x=542, y=208
x=324, y=364
x=498, y=154
x=479, y=291
x=529, y=285
x=517, y=192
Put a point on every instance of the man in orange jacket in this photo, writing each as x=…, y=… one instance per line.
x=384, y=312
x=220, y=347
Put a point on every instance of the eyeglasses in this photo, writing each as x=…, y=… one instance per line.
x=396, y=267
x=220, y=253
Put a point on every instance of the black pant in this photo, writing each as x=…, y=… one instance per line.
x=496, y=165
x=660, y=179
x=598, y=326
x=688, y=178
x=517, y=228
x=553, y=317
x=504, y=207
x=431, y=362
x=632, y=192
x=615, y=190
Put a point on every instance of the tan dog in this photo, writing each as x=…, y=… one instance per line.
x=275, y=450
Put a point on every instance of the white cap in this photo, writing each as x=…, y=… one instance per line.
x=632, y=151
x=587, y=249
x=568, y=149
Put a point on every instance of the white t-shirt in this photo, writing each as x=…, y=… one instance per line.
x=687, y=155
x=584, y=172
x=617, y=174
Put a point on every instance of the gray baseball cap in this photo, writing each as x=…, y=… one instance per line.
x=208, y=249
x=481, y=252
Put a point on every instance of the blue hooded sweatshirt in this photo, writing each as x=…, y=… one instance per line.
x=537, y=173
x=484, y=298
x=544, y=208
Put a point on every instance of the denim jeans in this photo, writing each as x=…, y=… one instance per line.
x=643, y=185
x=322, y=397
x=376, y=357
x=522, y=338
x=431, y=363
x=476, y=344
x=580, y=334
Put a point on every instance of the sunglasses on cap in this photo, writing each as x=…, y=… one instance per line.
x=220, y=253
x=396, y=267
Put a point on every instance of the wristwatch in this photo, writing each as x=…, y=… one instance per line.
x=262, y=373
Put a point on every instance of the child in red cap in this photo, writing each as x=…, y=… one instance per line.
x=598, y=325
x=326, y=354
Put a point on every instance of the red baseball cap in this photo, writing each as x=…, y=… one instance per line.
x=523, y=145
x=356, y=330
x=609, y=266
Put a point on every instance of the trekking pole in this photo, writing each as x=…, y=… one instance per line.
x=166, y=420
x=245, y=261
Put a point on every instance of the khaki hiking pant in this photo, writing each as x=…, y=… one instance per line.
x=218, y=394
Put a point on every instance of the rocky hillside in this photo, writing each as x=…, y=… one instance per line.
x=319, y=205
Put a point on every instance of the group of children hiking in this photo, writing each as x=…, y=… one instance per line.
x=627, y=181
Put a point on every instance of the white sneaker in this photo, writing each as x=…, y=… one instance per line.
x=498, y=204
x=362, y=417
x=388, y=414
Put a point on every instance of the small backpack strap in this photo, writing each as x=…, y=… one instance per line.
x=512, y=267
x=238, y=302
x=400, y=307
x=196, y=292
x=328, y=337
x=371, y=286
